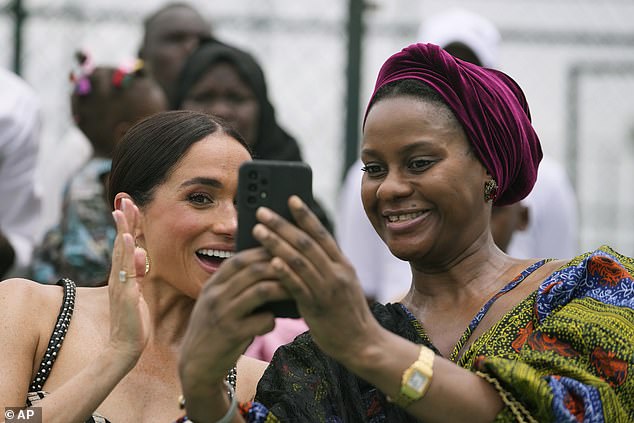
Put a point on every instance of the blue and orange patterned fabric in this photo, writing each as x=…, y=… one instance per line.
x=565, y=353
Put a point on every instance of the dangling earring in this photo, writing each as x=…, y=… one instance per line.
x=490, y=190
x=147, y=263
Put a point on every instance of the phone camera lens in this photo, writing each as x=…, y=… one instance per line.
x=253, y=187
x=253, y=174
x=251, y=199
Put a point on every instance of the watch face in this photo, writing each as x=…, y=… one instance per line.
x=416, y=381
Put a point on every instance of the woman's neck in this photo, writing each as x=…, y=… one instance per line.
x=169, y=311
x=470, y=277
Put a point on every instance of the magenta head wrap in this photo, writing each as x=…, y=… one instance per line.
x=490, y=106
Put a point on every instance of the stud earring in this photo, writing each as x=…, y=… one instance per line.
x=490, y=190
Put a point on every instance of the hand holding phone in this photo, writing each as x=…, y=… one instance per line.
x=270, y=183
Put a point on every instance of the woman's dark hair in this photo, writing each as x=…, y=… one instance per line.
x=407, y=87
x=149, y=151
x=272, y=141
x=412, y=88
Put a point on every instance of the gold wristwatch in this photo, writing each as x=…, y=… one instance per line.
x=416, y=378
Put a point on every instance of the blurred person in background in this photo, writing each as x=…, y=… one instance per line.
x=553, y=216
x=517, y=229
x=105, y=102
x=20, y=194
x=228, y=82
x=170, y=34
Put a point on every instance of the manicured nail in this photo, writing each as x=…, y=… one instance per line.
x=264, y=214
x=115, y=216
x=295, y=202
x=260, y=232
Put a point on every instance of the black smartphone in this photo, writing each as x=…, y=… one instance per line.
x=270, y=183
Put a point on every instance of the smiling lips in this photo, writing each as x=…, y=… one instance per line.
x=404, y=217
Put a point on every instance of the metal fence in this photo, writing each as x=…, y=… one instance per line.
x=574, y=60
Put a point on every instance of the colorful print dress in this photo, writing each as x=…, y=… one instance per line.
x=565, y=354
x=80, y=246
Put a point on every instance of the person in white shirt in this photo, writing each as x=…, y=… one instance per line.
x=552, y=216
x=20, y=207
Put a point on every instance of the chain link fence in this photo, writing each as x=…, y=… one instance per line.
x=574, y=60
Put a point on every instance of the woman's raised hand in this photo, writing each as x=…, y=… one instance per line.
x=129, y=315
x=313, y=269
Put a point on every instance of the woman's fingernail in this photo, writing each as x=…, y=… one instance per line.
x=259, y=231
x=295, y=202
x=277, y=264
x=264, y=214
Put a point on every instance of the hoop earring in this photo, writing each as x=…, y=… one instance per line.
x=490, y=190
x=147, y=258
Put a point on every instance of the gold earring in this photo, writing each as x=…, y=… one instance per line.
x=147, y=263
x=147, y=257
x=490, y=190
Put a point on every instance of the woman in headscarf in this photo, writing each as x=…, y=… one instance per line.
x=227, y=82
x=480, y=336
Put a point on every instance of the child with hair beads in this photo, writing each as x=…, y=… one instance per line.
x=105, y=102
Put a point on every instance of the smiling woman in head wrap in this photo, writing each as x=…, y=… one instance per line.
x=490, y=106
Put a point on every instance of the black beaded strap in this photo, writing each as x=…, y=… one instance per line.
x=57, y=338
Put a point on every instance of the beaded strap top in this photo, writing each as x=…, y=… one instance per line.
x=57, y=338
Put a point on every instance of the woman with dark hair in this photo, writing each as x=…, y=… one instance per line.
x=173, y=185
x=480, y=336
